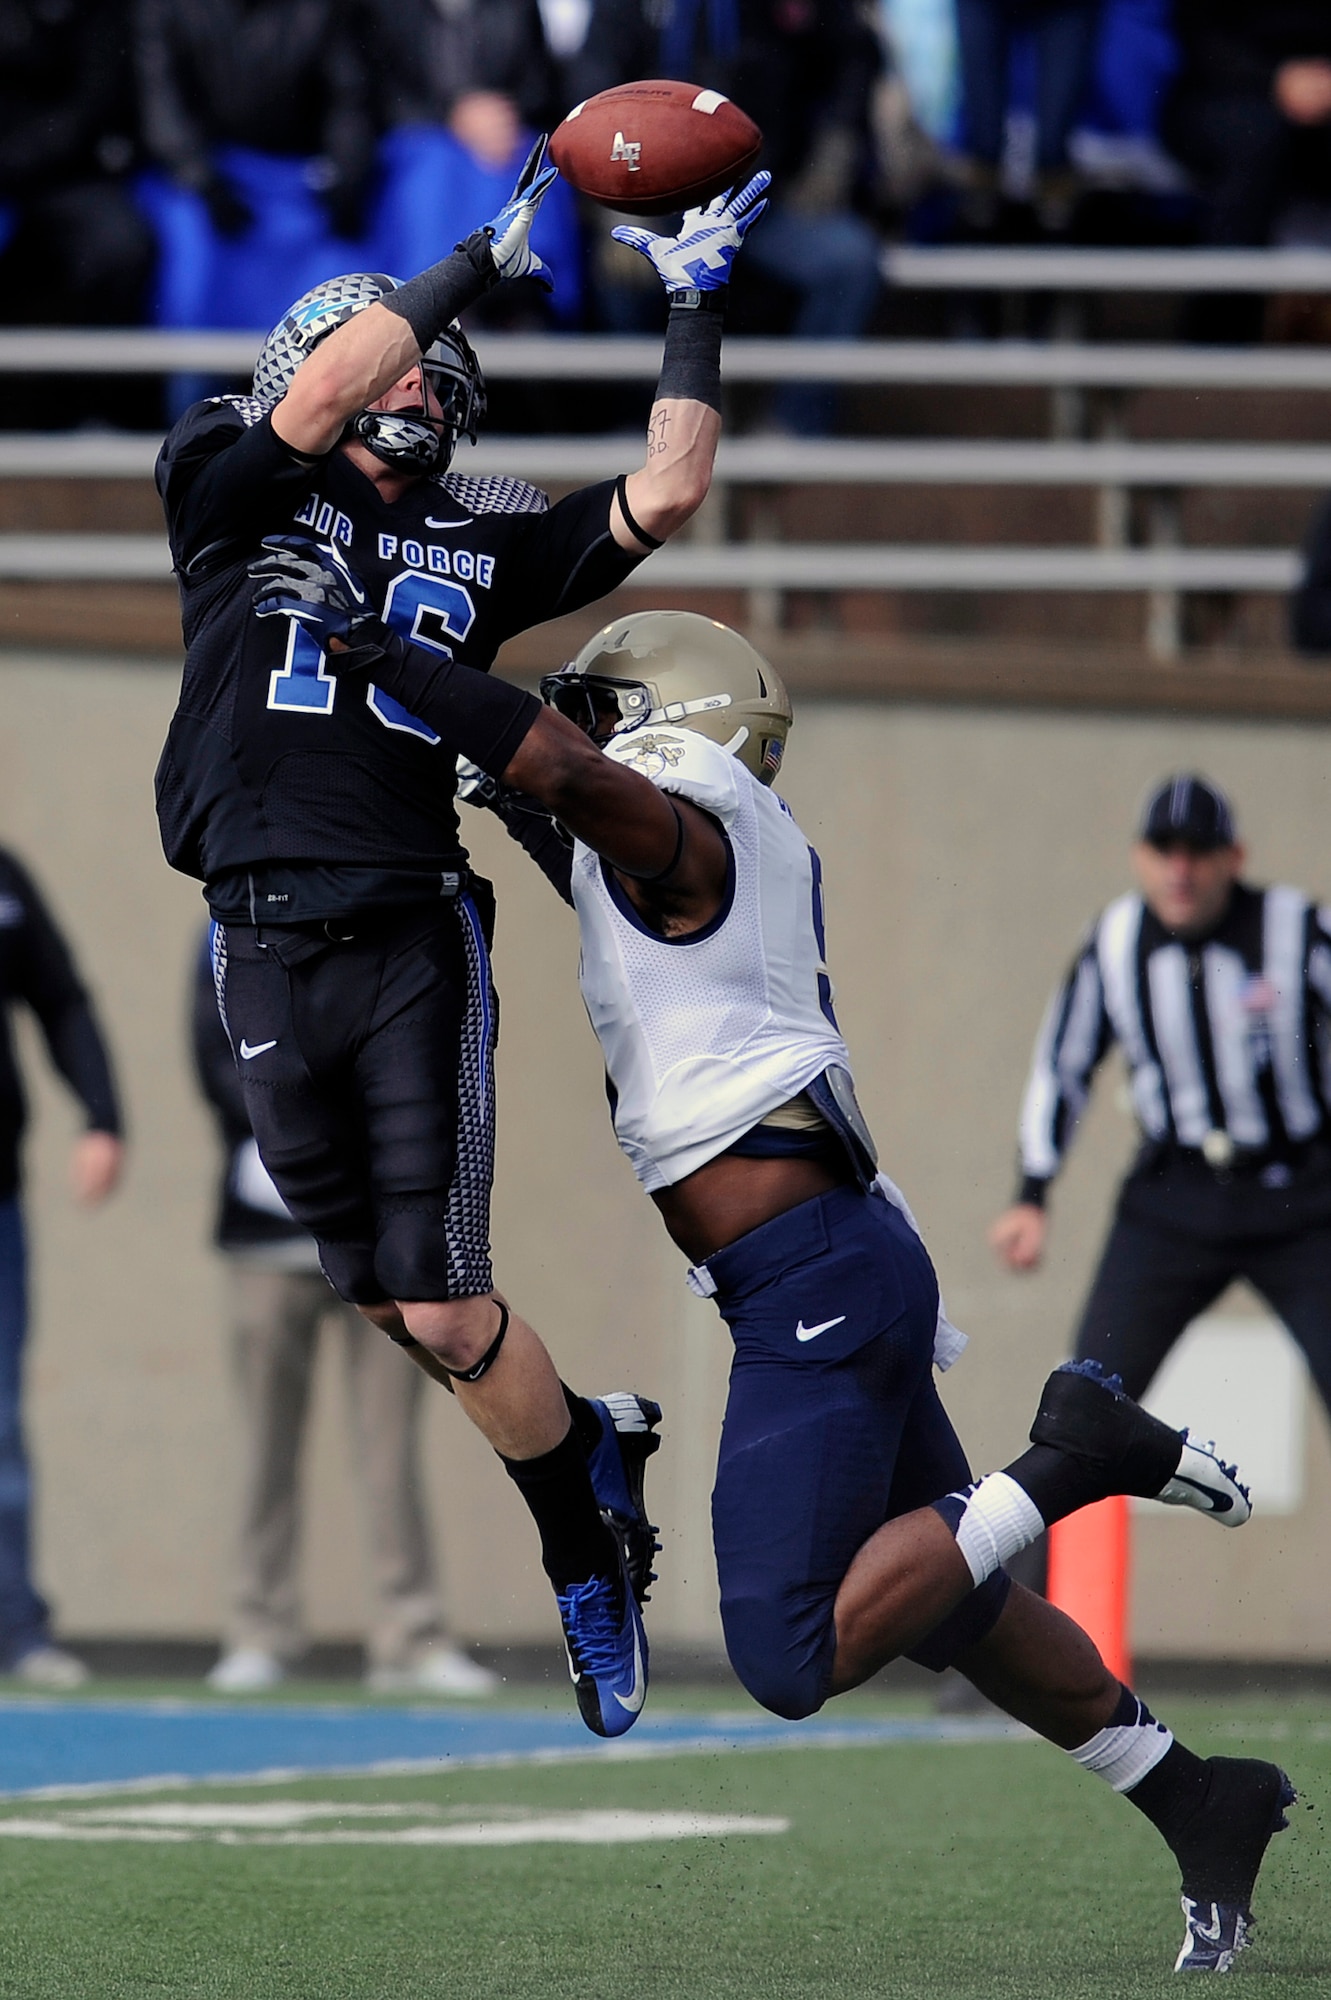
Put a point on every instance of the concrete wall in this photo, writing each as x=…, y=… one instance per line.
x=964, y=851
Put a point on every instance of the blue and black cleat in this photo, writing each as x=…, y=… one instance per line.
x=607, y=1651
x=618, y=1465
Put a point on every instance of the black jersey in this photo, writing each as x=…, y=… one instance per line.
x=278, y=782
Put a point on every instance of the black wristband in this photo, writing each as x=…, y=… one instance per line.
x=691, y=363
x=1032, y=1192
x=622, y=495
x=433, y=299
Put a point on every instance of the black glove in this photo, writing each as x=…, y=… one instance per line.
x=311, y=583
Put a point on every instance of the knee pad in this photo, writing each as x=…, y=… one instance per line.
x=781, y=1667
x=349, y=1269
x=411, y=1257
x=969, y=1622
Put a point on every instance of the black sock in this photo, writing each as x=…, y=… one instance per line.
x=1171, y=1792
x=575, y=1542
x=585, y=1420
x=1056, y=1482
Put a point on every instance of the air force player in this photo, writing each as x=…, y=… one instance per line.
x=848, y=1530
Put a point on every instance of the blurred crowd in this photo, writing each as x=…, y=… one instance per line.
x=201, y=162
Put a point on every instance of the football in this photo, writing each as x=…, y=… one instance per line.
x=655, y=147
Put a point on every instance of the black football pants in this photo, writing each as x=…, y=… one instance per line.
x=1154, y=1279
x=366, y=1062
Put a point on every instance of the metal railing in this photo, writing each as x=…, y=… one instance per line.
x=924, y=268
x=1113, y=466
x=607, y=358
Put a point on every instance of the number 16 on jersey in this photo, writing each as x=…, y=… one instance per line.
x=413, y=605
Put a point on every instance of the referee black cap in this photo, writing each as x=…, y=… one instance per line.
x=1189, y=809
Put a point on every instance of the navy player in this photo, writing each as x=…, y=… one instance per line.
x=351, y=941
x=848, y=1530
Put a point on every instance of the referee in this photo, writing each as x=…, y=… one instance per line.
x=1218, y=993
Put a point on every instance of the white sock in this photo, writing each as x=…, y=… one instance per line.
x=999, y=1517
x=1131, y=1744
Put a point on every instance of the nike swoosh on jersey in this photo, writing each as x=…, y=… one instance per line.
x=637, y=1695
x=803, y=1332
x=248, y=1053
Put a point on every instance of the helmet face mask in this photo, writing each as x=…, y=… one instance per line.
x=680, y=670
x=413, y=441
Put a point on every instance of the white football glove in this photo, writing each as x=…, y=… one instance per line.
x=508, y=233
x=700, y=257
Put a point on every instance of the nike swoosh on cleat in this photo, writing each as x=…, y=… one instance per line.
x=1220, y=1503
x=803, y=1332
x=248, y=1054
x=637, y=1695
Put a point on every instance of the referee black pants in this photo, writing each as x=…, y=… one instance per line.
x=1178, y=1241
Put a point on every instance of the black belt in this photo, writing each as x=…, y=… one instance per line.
x=1235, y=1162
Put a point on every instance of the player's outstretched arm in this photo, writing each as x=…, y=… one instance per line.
x=620, y=815
x=685, y=423
x=640, y=832
x=364, y=356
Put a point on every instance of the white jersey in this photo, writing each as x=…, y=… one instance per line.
x=704, y=1035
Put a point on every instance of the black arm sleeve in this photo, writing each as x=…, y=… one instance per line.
x=567, y=557
x=48, y=982
x=537, y=833
x=485, y=719
x=225, y=486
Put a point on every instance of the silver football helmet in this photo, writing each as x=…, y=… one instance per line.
x=410, y=441
x=683, y=670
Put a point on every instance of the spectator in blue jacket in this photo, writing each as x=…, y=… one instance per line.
x=462, y=87
x=258, y=116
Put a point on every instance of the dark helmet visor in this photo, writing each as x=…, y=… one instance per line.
x=595, y=703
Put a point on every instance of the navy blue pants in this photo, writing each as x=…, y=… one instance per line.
x=833, y=1426
x=24, y=1620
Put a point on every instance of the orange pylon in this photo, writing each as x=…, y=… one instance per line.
x=1090, y=1559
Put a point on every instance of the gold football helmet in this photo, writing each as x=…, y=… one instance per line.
x=677, y=668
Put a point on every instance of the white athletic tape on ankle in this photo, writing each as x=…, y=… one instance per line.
x=1000, y=1519
x=1123, y=1756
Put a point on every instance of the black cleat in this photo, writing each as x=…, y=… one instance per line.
x=1220, y=1854
x=618, y=1467
x=1089, y=1416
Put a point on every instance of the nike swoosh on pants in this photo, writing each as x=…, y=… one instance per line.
x=803, y=1332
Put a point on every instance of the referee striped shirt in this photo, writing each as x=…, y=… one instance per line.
x=1226, y=1039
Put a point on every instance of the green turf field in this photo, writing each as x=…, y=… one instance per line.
x=966, y=1872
